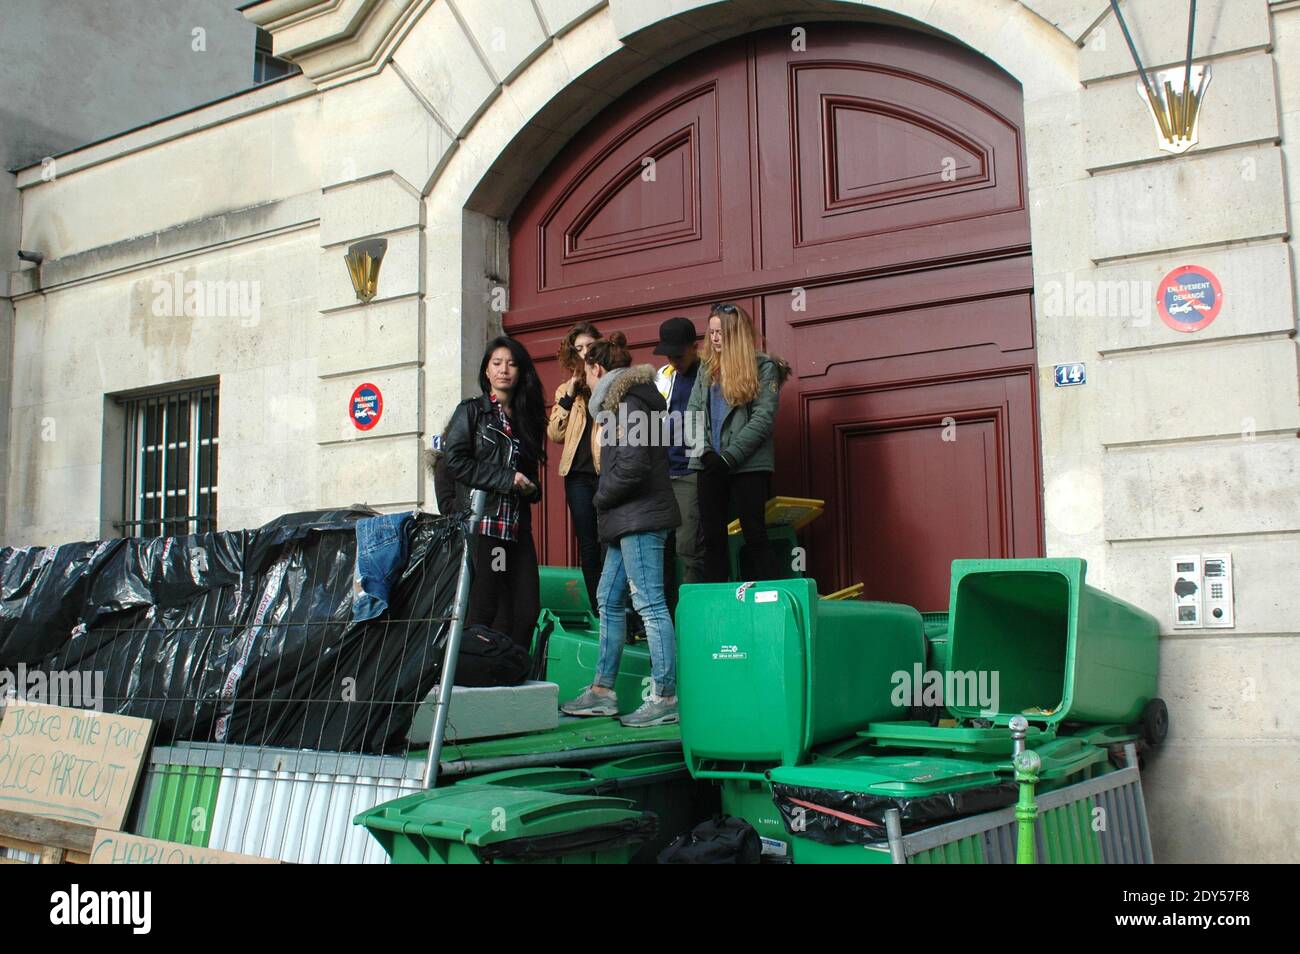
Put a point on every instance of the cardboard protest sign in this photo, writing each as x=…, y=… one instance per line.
x=119, y=848
x=76, y=765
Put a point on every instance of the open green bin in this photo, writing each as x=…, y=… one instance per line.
x=573, y=650
x=1063, y=651
x=783, y=541
x=563, y=590
x=495, y=824
x=767, y=671
x=656, y=782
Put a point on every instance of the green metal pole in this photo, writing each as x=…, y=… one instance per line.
x=1026, y=765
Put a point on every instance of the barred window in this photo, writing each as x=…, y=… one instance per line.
x=170, y=464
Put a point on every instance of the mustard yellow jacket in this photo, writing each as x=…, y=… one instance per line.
x=565, y=427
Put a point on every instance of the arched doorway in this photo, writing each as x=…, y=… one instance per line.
x=864, y=198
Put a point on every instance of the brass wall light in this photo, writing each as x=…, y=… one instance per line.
x=1175, y=109
x=363, y=260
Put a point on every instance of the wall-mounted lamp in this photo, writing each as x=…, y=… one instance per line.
x=1173, y=96
x=363, y=260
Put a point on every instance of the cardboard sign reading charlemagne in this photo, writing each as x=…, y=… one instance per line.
x=76, y=765
x=117, y=848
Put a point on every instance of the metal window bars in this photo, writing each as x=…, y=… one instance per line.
x=169, y=464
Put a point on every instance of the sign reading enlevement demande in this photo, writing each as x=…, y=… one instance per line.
x=366, y=406
x=1189, y=298
x=76, y=765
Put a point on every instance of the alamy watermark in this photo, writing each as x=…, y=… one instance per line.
x=634, y=428
x=953, y=688
x=1098, y=298
x=74, y=690
x=207, y=299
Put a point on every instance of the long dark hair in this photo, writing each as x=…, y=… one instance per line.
x=527, y=411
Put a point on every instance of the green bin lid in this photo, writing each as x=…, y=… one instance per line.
x=1061, y=758
x=892, y=776
x=542, y=779
x=636, y=766
x=482, y=815
x=990, y=740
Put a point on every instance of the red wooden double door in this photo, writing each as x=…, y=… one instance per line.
x=863, y=197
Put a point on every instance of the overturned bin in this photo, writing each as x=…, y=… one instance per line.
x=1063, y=651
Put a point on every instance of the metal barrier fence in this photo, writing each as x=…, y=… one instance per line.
x=248, y=686
x=1098, y=821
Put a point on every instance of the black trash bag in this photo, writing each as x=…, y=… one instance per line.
x=605, y=837
x=833, y=817
x=489, y=657
x=242, y=637
x=720, y=841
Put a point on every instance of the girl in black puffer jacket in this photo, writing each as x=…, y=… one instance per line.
x=635, y=509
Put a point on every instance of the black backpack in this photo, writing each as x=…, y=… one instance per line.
x=490, y=658
x=722, y=841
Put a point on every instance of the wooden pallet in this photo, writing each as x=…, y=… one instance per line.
x=55, y=842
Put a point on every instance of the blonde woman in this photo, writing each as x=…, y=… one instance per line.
x=736, y=396
x=571, y=425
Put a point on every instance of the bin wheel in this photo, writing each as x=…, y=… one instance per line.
x=1155, y=722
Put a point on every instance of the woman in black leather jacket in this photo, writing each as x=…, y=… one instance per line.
x=494, y=443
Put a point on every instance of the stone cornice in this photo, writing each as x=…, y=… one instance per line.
x=334, y=41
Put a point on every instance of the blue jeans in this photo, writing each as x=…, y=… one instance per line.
x=381, y=557
x=635, y=562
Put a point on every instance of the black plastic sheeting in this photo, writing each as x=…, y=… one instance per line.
x=831, y=827
x=241, y=636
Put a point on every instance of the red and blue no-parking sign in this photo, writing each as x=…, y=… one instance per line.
x=365, y=406
x=1189, y=298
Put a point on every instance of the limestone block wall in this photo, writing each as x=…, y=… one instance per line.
x=225, y=199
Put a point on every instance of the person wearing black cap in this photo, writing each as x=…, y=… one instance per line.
x=675, y=380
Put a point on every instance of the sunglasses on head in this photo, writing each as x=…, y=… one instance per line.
x=721, y=307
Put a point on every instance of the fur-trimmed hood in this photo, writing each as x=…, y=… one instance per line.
x=782, y=367
x=615, y=384
x=626, y=381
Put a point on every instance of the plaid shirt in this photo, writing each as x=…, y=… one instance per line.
x=504, y=524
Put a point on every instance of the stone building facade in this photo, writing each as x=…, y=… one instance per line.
x=426, y=122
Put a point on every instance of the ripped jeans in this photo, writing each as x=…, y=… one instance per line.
x=635, y=563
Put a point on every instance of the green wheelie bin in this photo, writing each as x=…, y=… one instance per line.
x=834, y=811
x=768, y=670
x=656, y=782
x=496, y=824
x=1064, y=651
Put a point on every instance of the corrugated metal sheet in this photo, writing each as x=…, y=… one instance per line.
x=301, y=817
x=180, y=803
x=297, y=806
